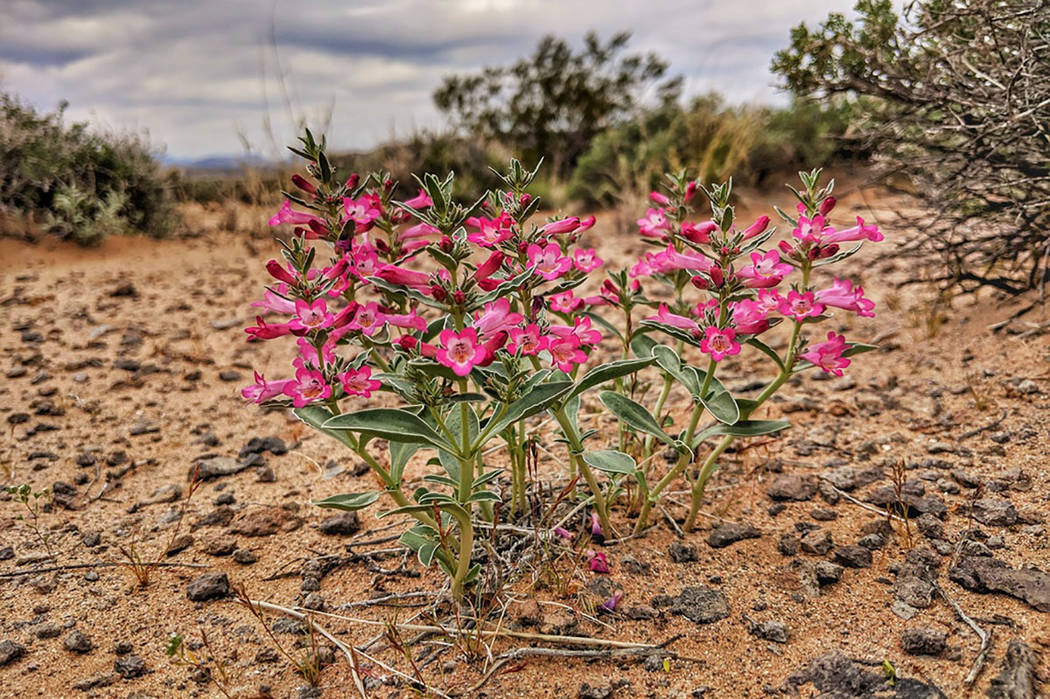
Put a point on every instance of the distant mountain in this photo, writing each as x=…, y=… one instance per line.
x=218, y=163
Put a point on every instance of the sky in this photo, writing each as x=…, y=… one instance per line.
x=204, y=77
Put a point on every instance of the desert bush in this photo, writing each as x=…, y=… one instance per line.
x=957, y=101
x=77, y=183
x=556, y=101
x=463, y=316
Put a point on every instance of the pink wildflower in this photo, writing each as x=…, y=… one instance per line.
x=460, y=351
x=564, y=302
x=527, y=339
x=719, y=342
x=491, y=231
x=420, y=201
x=548, y=260
x=368, y=319
x=759, y=226
x=263, y=390
x=264, y=331
x=654, y=224
x=566, y=353
x=404, y=277
x=496, y=317
x=769, y=300
x=581, y=329
x=362, y=211
x=698, y=233
x=598, y=563
x=289, y=215
x=311, y=316
x=765, y=270
x=800, y=305
x=359, y=382
x=586, y=260
x=749, y=317
x=861, y=231
x=609, y=605
x=276, y=303
x=828, y=355
x=307, y=387
x=842, y=294
x=565, y=225
x=665, y=317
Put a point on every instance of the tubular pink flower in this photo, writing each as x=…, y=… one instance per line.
x=362, y=211
x=263, y=390
x=564, y=302
x=654, y=224
x=800, y=305
x=263, y=331
x=420, y=230
x=828, y=355
x=749, y=317
x=769, y=300
x=420, y=201
x=765, y=270
x=810, y=230
x=527, y=339
x=311, y=316
x=491, y=231
x=548, y=260
x=368, y=319
x=758, y=227
x=565, y=225
x=287, y=214
x=566, y=353
x=491, y=346
x=308, y=354
x=581, y=330
x=659, y=199
x=844, y=295
x=276, y=303
x=280, y=272
x=489, y=267
x=412, y=320
x=404, y=277
x=359, y=382
x=586, y=224
x=861, y=231
x=307, y=387
x=698, y=233
x=496, y=317
x=460, y=351
x=719, y=342
x=586, y=260
x=665, y=317
x=673, y=259
x=598, y=563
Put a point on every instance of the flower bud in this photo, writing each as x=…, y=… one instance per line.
x=690, y=190
x=699, y=282
x=407, y=342
x=303, y=184
x=352, y=181
x=438, y=292
x=459, y=297
x=785, y=247
x=445, y=244
x=827, y=205
x=659, y=198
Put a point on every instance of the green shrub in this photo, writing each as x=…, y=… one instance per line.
x=77, y=183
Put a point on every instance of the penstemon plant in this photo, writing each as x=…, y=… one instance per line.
x=744, y=290
x=463, y=314
x=464, y=318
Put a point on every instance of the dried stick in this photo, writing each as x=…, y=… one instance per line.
x=985, y=636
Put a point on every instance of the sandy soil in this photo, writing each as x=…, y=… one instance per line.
x=121, y=369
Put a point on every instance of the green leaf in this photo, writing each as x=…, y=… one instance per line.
x=642, y=345
x=744, y=428
x=485, y=496
x=485, y=478
x=315, y=416
x=604, y=323
x=634, y=415
x=349, y=502
x=400, y=453
x=858, y=348
x=450, y=459
x=670, y=362
x=607, y=372
x=677, y=333
x=720, y=403
x=388, y=423
x=611, y=461
x=541, y=397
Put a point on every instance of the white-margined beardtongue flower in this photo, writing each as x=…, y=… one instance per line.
x=719, y=342
x=828, y=354
x=359, y=382
x=548, y=260
x=844, y=295
x=765, y=270
x=654, y=224
x=460, y=351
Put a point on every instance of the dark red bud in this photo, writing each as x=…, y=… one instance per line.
x=303, y=183
x=458, y=297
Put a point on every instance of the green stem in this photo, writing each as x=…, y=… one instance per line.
x=466, y=547
x=664, y=393
x=698, y=487
x=575, y=451
x=683, y=461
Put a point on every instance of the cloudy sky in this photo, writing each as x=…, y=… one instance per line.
x=196, y=73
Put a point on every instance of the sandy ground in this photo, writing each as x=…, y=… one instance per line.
x=121, y=367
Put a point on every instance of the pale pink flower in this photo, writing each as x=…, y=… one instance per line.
x=564, y=302
x=665, y=317
x=566, y=353
x=361, y=211
x=527, y=339
x=420, y=201
x=765, y=270
x=548, y=260
x=861, y=231
x=287, y=214
x=719, y=342
x=828, y=355
x=843, y=294
x=769, y=300
x=311, y=316
x=586, y=260
x=263, y=390
x=275, y=302
x=307, y=387
x=811, y=230
x=491, y=231
x=460, y=351
x=749, y=317
x=496, y=317
x=800, y=305
x=581, y=330
x=368, y=319
x=654, y=224
x=359, y=382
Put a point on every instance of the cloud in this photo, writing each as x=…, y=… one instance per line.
x=197, y=72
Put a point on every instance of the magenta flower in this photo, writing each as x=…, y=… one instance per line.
x=586, y=260
x=276, y=303
x=564, y=302
x=769, y=300
x=368, y=319
x=411, y=320
x=565, y=225
x=581, y=329
x=404, y=277
x=308, y=354
x=654, y=224
x=496, y=317
x=659, y=199
x=800, y=305
x=490, y=266
x=562, y=532
x=491, y=231
x=598, y=563
x=665, y=317
x=719, y=342
x=287, y=214
x=842, y=294
x=359, y=382
x=759, y=226
x=311, y=316
x=361, y=211
x=596, y=527
x=527, y=339
x=548, y=260
x=861, y=231
x=828, y=355
x=670, y=260
x=420, y=230
x=460, y=351
x=566, y=353
x=765, y=270
x=307, y=387
x=281, y=272
x=264, y=331
x=698, y=233
x=811, y=230
x=749, y=317
x=263, y=390
x=420, y=201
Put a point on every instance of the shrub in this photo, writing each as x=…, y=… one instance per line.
x=76, y=183
x=958, y=101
